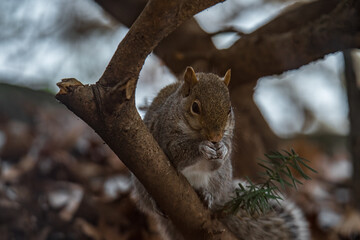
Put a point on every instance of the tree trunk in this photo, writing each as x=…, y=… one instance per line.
x=353, y=93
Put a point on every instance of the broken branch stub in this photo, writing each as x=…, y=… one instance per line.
x=68, y=84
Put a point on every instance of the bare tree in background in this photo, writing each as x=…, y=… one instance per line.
x=353, y=92
x=295, y=38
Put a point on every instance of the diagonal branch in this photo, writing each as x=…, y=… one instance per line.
x=179, y=54
x=336, y=31
x=281, y=45
x=108, y=107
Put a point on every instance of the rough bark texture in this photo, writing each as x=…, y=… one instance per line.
x=353, y=92
x=108, y=106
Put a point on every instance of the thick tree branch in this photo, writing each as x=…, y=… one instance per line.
x=122, y=129
x=185, y=52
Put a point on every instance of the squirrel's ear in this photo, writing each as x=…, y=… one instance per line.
x=190, y=79
x=227, y=77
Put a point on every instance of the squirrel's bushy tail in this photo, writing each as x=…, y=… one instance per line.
x=284, y=221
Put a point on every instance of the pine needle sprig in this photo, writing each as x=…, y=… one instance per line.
x=278, y=169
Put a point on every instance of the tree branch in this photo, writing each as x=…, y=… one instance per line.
x=252, y=59
x=188, y=52
x=353, y=93
x=108, y=107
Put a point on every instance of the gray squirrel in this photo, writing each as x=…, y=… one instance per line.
x=193, y=122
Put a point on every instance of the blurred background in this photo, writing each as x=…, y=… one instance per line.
x=59, y=180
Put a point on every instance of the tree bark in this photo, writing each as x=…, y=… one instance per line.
x=353, y=93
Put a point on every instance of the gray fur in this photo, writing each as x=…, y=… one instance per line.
x=186, y=139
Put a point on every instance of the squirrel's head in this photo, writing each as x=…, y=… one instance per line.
x=207, y=103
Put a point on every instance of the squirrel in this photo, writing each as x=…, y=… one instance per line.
x=193, y=122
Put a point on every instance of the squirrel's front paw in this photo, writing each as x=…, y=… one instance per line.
x=213, y=151
x=208, y=149
x=221, y=150
x=208, y=200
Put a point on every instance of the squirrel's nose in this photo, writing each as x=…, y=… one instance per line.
x=215, y=137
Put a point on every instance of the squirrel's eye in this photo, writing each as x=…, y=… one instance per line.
x=195, y=107
x=229, y=111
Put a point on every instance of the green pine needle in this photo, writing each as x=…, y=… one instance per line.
x=255, y=198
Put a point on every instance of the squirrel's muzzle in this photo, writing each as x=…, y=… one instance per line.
x=214, y=137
